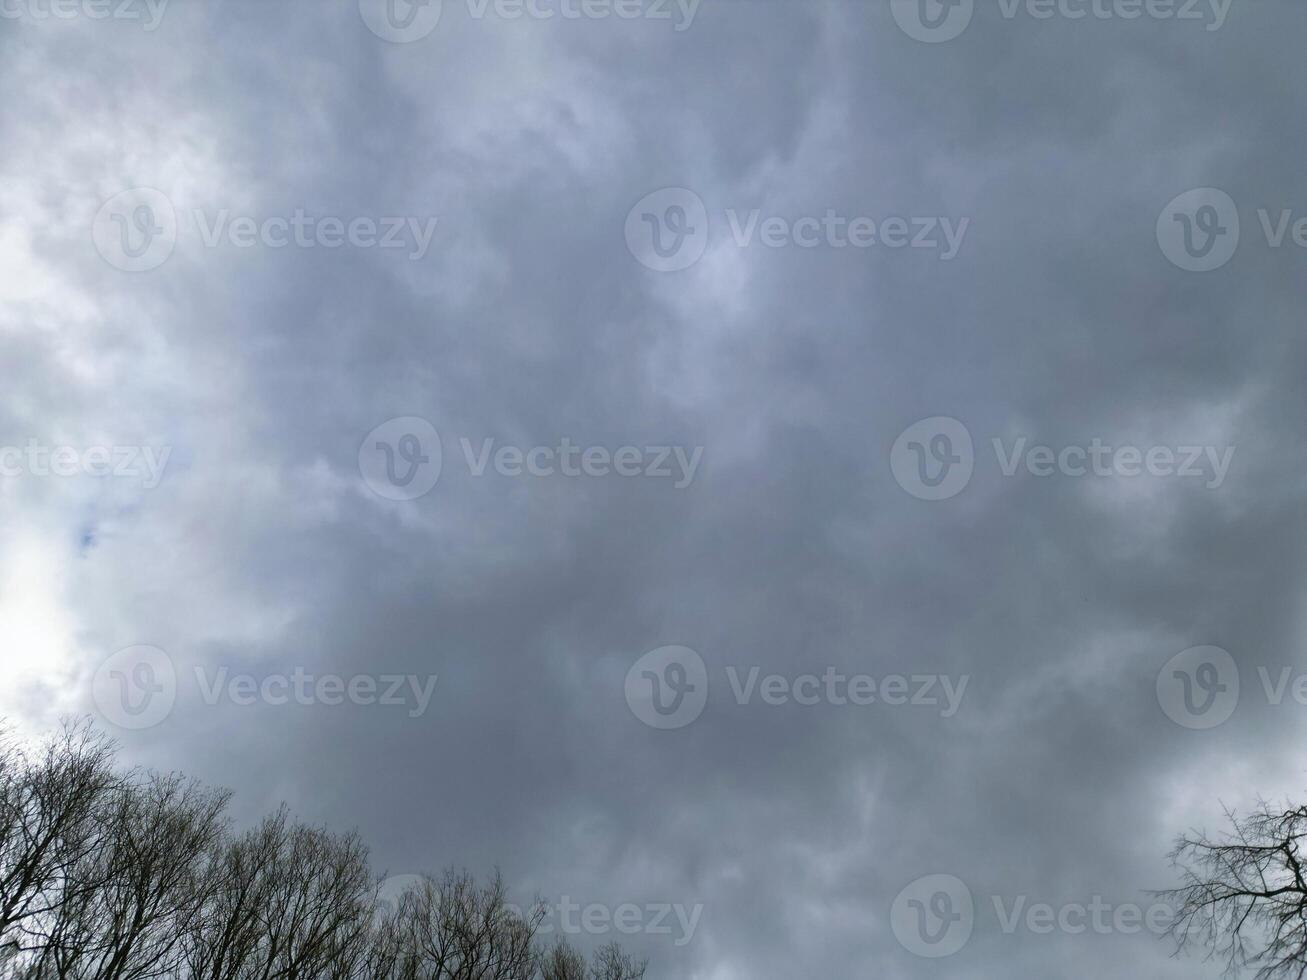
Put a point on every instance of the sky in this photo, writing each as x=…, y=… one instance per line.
x=812, y=488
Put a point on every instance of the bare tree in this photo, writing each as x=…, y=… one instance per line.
x=138, y=894
x=1244, y=894
x=113, y=875
x=455, y=929
x=320, y=906
x=284, y=902
x=610, y=963
x=223, y=940
x=562, y=962
x=390, y=955
x=50, y=809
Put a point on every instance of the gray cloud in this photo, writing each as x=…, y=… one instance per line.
x=792, y=550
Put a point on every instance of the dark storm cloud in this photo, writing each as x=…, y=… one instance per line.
x=793, y=549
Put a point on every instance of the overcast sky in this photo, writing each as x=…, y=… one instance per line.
x=385, y=382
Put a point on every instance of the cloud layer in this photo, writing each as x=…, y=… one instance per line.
x=353, y=228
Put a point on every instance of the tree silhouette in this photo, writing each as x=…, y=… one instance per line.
x=108, y=874
x=1244, y=896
